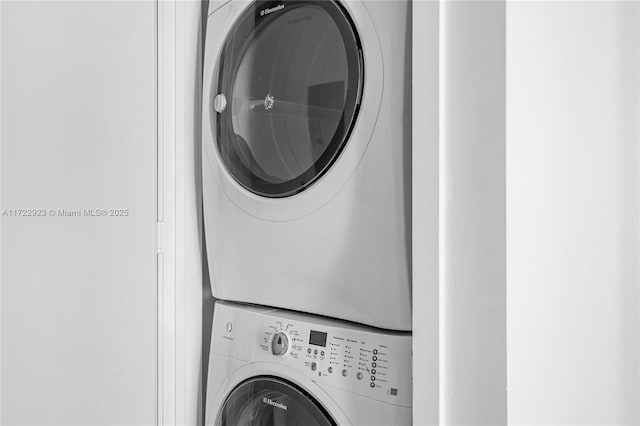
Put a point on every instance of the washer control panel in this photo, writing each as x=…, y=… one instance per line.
x=359, y=359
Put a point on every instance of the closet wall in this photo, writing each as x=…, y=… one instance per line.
x=573, y=198
x=78, y=134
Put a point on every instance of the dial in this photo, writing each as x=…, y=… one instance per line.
x=279, y=344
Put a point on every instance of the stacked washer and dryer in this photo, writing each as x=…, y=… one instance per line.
x=307, y=208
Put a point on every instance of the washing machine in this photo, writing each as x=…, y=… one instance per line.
x=275, y=367
x=307, y=156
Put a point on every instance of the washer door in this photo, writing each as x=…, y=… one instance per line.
x=267, y=401
x=288, y=92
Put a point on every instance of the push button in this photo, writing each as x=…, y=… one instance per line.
x=373, y=371
x=373, y=385
x=373, y=378
x=375, y=352
x=375, y=358
x=330, y=370
x=314, y=366
x=359, y=375
x=374, y=365
x=345, y=372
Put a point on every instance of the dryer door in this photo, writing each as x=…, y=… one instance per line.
x=287, y=95
x=267, y=401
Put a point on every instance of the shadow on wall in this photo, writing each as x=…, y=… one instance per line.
x=207, y=297
x=407, y=157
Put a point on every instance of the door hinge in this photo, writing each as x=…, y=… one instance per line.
x=163, y=236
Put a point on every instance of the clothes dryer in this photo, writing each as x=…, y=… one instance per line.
x=306, y=156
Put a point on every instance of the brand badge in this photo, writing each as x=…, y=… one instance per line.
x=267, y=11
x=276, y=404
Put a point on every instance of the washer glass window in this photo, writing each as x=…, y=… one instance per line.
x=288, y=91
x=267, y=401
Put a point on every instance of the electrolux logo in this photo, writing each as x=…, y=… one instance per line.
x=279, y=405
x=267, y=11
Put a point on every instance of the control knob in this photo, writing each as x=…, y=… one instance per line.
x=279, y=344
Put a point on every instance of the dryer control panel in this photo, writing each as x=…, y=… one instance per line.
x=356, y=358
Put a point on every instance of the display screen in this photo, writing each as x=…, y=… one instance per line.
x=318, y=338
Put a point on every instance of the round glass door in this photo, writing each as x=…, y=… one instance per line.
x=267, y=401
x=288, y=92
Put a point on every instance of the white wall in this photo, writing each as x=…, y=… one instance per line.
x=472, y=214
x=78, y=309
x=425, y=156
x=572, y=212
x=190, y=359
